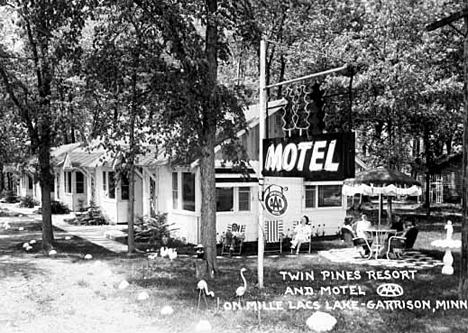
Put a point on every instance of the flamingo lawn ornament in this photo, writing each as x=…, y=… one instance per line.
x=164, y=251
x=172, y=254
x=202, y=286
x=240, y=291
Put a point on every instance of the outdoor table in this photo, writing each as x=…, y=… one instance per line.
x=379, y=238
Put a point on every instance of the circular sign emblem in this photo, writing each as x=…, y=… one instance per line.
x=276, y=203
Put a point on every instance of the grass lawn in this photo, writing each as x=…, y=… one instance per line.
x=44, y=294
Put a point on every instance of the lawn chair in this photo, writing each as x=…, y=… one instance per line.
x=273, y=236
x=349, y=236
x=295, y=223
x=235, y=241
x=399, y=243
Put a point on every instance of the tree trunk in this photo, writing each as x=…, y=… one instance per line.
x=208, y=205
x=207, y=160
x=464, y=227
x=45, y=182
x=131, y=210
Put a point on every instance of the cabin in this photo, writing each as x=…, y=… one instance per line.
x=302, y=176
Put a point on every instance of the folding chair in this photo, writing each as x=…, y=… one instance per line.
x=399, y=243
x=273, y=234
x=348, y=233
x=295, y=223
x=363, y=243
x=238, y=236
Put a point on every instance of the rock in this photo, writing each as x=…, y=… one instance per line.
x=68, y=238
x=321, y=322
x=32, y=241
x=142, y=296
x=167, y=310
x=88, y=257
x=25, y=245
x=124, y=284
x=29, y=248
x=203, y=326
x=52, y=253
x=21, y=228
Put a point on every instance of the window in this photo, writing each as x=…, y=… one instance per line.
x=125, y=187
x=323, y=196
x=244, y=198
x=329, y=196
x=104, y=181
x=111, y=182
x=67, y=180
x=310, y=196
x=175, y=191
x=188, y=191
x=224, y=199
x=79, y=181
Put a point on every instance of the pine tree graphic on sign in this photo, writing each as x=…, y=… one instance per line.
x=288, y=112
x=302, y=110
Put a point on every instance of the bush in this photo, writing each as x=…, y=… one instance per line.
x=153, y=229
x=9, y=196
x=28, y=202
x=59, y=207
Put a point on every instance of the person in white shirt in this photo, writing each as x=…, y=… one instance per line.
x=301, y=233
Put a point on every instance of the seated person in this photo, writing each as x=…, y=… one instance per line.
x=233, y=237
x=398, y=224
x=361, y=232
x=362, y=226
x=406, y=239
x=347, y=231
x=301, y=233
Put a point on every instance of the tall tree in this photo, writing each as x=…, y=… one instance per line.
x=198, y=111
x=48, y=34
x=121, y=68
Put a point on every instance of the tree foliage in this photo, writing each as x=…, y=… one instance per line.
x=38, y=69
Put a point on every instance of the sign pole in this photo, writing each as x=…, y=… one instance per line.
x=261, y=136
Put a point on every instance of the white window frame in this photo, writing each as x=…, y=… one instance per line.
x=316, y=184
x=235, y=198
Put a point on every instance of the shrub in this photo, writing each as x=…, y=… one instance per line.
x=9, y=196
x=59, y=207
x=152, y=229
x=28, y=202
x=56, y=207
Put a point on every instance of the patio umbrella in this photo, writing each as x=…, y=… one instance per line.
x=381, y=181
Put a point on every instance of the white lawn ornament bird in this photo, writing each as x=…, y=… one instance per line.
x=203, y=326
x=167, y=310
x=52, y=253
x=172, y=254
x=202, y=286
x=88, y=257
x=25, y=245
x=164, y=251
x=240, y=291
x=32, y=241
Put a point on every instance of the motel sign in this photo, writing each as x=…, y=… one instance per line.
x=322, y=157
